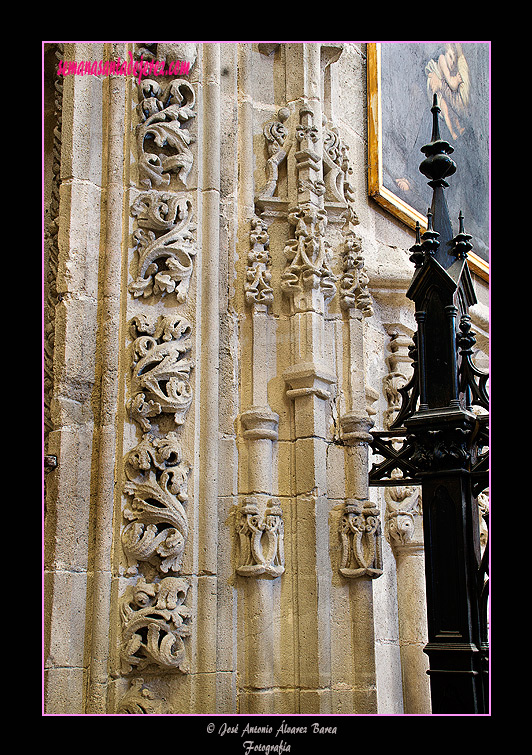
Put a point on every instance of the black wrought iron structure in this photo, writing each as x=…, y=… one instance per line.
x=439, y=440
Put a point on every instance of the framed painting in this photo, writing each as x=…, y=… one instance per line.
x=402, y=79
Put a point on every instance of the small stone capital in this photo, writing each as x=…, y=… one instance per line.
x=260, y=422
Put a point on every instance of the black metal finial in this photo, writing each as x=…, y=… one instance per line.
x=437, y=166
x=417, y=250
x=460, y=243
x=430, y=239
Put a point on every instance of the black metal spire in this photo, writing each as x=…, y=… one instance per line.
x=437, y=166
x=461, y=242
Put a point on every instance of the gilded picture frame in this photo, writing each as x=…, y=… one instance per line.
x=401, y=79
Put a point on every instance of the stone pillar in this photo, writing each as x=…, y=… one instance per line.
x=360, y=530
x=83, y=328
x=404, y=531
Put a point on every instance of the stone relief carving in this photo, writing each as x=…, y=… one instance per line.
x=323, y=193
x=163, y=110
x=403, y=502
x=161, y=369
x=261, y=539
x=165, y=244
x=278, y=145
x=140, y=700
x=158, y=484
x=155, y=621
x=336, y=168
x=360, y=537
x=258, y=276
x=399, y=363
x=308, y=255
x=354, y=280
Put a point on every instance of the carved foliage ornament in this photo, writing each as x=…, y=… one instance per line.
x=165, y=244
x=258, y=276
x=162, y=142
x=161, y=369
x=308, y=254
x=155, y=621
x=140, y=700
x=354, y=281
x=157, y=482
x=261, y=539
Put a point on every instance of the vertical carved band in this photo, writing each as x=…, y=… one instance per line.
x=155, y=619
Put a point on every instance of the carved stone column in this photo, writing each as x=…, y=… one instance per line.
x=360, y=527
x=308, y=284
x=404, y=531
x=259, y=525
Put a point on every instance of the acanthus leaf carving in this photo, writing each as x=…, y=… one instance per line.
x=158, y=484
x=155, y=621
x=161, y=373
x=165, y=244
x=163, y=110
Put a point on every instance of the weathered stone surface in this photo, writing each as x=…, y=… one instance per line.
x=225, y=323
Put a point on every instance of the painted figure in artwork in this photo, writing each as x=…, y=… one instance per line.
x=448, y=77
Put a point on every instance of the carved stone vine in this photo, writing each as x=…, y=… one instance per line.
x=155, y=619
x=157, y=483
x=165, y=244
x=161, y=368
x=163, y=110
